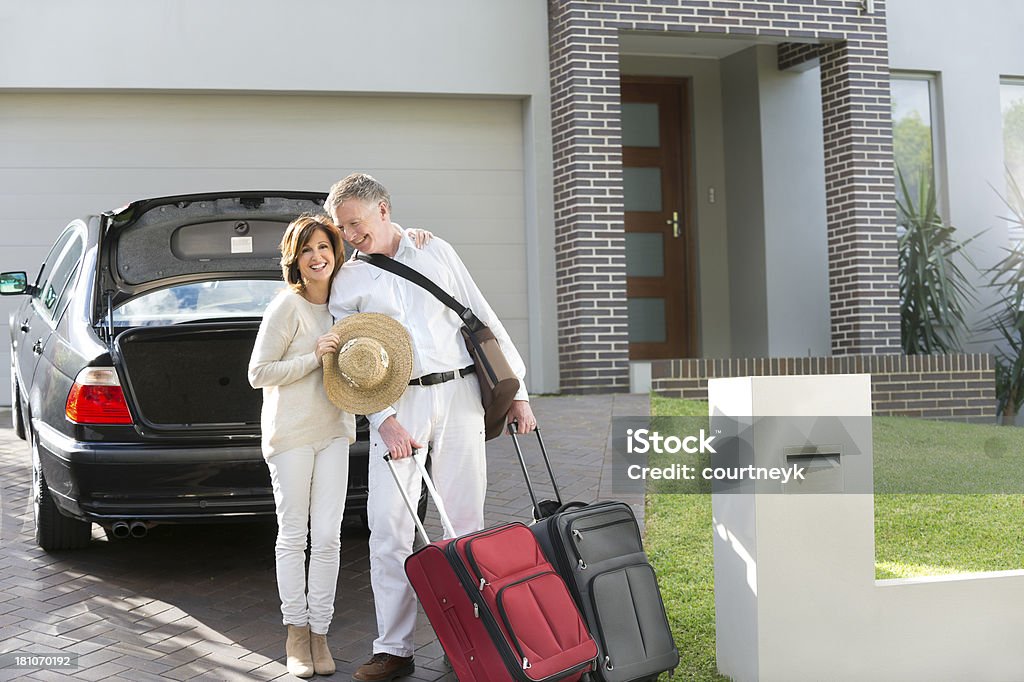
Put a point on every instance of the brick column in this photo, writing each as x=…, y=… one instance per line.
x=860, y=194
x=590, y=253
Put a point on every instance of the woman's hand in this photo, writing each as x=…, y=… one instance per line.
x=328, y=343
x=420, y=237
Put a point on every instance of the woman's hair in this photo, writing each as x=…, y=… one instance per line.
x=295, y=237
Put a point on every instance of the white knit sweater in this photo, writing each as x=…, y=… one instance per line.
x=296, y=410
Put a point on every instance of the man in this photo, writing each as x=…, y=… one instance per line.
x=441, y=407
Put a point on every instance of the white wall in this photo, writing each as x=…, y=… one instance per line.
x=331, y=47
x=744, y=196
x=795, y=594
x=399, y=46
x=970, y=45
x=778, y=240
x=796, y=231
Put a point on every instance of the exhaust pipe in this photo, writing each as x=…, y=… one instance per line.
x=121, y=530
x=138, y=529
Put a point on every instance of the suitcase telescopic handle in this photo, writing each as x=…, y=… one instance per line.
x=445, y=521
x=512, y=427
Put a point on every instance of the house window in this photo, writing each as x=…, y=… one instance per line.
x=914, y=134
x=1011, y=95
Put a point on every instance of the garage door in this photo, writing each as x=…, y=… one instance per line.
x=454, y=166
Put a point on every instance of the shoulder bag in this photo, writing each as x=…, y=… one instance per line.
x=498, y=383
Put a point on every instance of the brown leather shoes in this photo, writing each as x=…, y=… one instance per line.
x=384, y=668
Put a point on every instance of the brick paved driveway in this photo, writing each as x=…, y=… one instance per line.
x=200, y=602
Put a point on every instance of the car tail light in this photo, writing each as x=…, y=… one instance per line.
x=96, y=398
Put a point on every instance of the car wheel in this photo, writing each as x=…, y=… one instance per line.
x=54, y=531
x=17, y=421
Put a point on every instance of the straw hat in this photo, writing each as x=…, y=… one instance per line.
x=373, y=364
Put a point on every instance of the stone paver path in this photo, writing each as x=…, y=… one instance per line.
x=200, y=602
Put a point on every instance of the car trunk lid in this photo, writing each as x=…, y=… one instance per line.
x=154, y=243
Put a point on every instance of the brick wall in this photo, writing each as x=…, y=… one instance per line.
x=590, y=252
x=949, y=387
x=798, y=56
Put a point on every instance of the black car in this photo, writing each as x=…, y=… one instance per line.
x=129, y=359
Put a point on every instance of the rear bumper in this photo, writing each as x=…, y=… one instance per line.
x=106, y=482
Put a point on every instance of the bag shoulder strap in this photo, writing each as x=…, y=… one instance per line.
x=416, y=277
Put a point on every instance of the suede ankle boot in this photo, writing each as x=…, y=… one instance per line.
x=297, y=648
x=323, y=662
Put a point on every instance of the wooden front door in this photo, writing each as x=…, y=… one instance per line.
x=660, y=280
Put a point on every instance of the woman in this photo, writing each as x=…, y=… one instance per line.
x=305, y=437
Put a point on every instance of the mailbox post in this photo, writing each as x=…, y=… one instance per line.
x=793, y=560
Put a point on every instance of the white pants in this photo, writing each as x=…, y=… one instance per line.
x=310, y=484
x=449, y=417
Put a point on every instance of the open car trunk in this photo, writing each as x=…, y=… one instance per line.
x=190, y=378
x=156, y=243
x=181, y=285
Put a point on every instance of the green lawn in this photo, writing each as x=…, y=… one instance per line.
x=915, y=534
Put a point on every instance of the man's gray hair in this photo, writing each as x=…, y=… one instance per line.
x=357, y=186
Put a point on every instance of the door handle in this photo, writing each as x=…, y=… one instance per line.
x=674, y=222
x=25, y=327
x=37, y=347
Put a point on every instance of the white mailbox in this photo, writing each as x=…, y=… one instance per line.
x=795, y=590
x=791, y=557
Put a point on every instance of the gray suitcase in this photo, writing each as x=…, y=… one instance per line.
x=598, y=551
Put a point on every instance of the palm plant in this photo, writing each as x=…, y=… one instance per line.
x=1007, y=314
x=933, y=290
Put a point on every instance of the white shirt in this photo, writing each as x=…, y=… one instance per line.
x=436, y=341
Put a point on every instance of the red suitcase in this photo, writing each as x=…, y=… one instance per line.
x=499, y=609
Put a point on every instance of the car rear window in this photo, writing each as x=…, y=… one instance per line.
x=222, y=299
